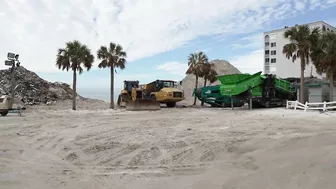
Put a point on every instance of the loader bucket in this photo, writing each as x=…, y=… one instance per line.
x=142, y=104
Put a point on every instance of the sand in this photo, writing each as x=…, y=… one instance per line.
x=187, y=148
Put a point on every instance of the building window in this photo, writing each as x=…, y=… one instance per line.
x=323, y=28
x=273, y=52
x=267, y=52
x=267, y=69
x=267, y=44
x=273, y=44
x=267, y=38
x=266, y=59
x=273, y=60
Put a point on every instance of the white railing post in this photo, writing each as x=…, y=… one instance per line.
x=306, y=106
x=295, y=105
x=324, y=106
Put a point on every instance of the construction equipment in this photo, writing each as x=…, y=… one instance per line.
x=132, y=98
x=212, y=96
x=164, y=92
x=6, y=104
x=266, y=91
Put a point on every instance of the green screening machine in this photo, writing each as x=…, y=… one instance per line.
x=266, y=90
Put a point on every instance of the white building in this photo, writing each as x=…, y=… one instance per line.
x=275, y=62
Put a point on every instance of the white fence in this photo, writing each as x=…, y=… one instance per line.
x=324, y=106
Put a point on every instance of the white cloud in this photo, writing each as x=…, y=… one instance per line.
x=35, y=29
x=253, y=41
x=249, y=63
x=175, y=68
x=299, y=5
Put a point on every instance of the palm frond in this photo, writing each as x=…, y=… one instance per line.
x=195, y=61
x=112, y=48
x=73, y=55
x=121, y=63
x=102, y=53
x=291, y=51
x=120, y=52
x=208, y=72
x=114, y=56
x=63, y=59
x=323, y=54
x=102, y=64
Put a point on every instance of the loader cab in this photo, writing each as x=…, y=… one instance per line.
x=128, y=85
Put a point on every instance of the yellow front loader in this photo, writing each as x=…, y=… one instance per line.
x=132, y=97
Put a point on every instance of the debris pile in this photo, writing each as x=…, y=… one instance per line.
x=31, y=89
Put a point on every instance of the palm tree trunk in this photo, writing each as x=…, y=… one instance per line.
x=331, y=84
x=74, y=95
x=205, y=81
x=302, y=100
x=112, y=88
x=196, y=83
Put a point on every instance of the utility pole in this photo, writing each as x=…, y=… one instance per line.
x=13, y=61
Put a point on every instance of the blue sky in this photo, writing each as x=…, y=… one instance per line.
x=157, y=35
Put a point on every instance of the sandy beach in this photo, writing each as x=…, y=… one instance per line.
x=187, y=148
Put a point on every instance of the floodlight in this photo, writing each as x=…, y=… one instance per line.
x=9, y=62
x=10, y=55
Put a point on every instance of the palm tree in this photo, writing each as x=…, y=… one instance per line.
x=301, y=40
x=74, y=56
x=194, y=62
x=208, y=72
x=112, y=57
x=324, y=58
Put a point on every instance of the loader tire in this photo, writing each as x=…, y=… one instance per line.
x=4, y=113
x=171, y=104
x=153, y=97
x=119, y=100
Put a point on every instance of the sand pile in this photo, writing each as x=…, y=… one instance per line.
x=223, y=67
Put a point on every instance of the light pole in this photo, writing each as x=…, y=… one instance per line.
x=13, y=61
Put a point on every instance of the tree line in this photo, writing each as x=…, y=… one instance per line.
x=313, y=45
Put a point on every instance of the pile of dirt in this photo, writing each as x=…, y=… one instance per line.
x=222, y=67
x=31, y=89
